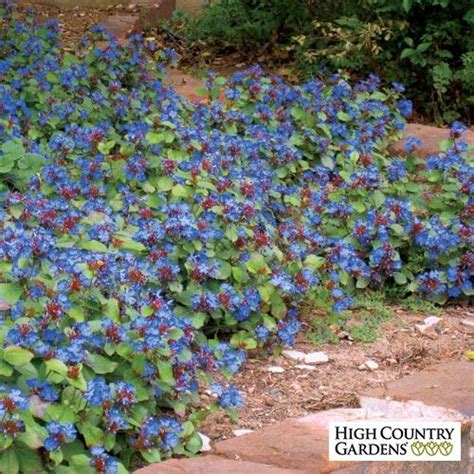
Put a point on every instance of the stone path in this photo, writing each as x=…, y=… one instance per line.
x=449, y=385
x=430, y=136
x=441, y=393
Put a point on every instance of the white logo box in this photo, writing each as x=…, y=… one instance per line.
x=392, y=441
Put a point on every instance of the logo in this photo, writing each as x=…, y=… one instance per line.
x=394, y=441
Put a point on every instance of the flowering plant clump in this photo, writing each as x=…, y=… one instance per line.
x=147, y=242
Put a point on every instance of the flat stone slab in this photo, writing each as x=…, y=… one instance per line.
x=302, y=443
x=430, y=136
x=152, y=12
x=185, y=84
x=121, y=25
x=212, y=465
x=449, y=385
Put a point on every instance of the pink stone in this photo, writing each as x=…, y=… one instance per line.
x=212, y=465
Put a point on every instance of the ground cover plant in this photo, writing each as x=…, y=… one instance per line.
x=148, y=242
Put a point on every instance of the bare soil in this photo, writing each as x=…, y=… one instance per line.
x=401, y=351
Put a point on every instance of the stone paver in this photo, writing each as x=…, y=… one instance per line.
x=212, y=465
x=121, y=25
x=154, y=11
x=185, y=85
x=302, y=443
x=449, y=385
x=430, y=136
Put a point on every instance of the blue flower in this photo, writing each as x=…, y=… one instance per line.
x=59, y=434
x=231, y=398
x=98, y=392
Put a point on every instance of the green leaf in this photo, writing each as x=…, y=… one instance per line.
x=250, y=343
x=5, y=369
x=239, y=274
x=94, y=246
x=101, y=364
x=379, y=197
x=10, y=292
x=93, y=436
x=164, y=183
x=9, y=461
x=298, y=113
x=278, y=308
x=57, y=366
x=362, y=283
x=132, y=245
x=406, y=53
x=56, y=456
x=194, y=445
x=231, y=233
x=407, y=4
x=314, y=262
x=60, y=413
x=224, y=270
x=151, y=456
x=7, y=163
x=400, y=278
x=16, y=355
x=31, y=439
x=29, y=460
x=179, y=190
x=16, y=150
x=165, y=370
x=343, y=116
x=328, y=162
x=106, y=148
x=469, y=16
x=256, y=263
x=155, y=138
x=359, y=206
x=31, y=161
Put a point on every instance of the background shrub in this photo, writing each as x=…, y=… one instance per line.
x=426, y=44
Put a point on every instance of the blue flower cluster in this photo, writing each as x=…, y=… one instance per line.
x=147, y=242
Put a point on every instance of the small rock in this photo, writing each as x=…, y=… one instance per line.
x=298, y=356
x=242, y=432
x=305, y=367
x=206, y=442
x=37, y=406
x=371, y=364
x=429, y=327
x=316, y=358
x=432, y=320
x=467, y=322
x=4, y=305
x=276, y=370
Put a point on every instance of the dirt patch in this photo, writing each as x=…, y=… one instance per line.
x=272, y=397
x=76, y=21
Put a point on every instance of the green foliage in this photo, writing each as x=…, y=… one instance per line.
x=249, y=23
x=428, y=45
x=416, y=305
x=361, y=324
